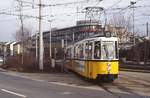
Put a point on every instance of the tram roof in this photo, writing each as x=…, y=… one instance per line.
x=98, y=38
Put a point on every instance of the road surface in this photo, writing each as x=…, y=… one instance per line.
x=12, y=86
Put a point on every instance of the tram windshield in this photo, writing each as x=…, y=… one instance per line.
x=108, y=50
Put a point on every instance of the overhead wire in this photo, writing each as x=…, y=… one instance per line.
x=13, y=14
x=57, y=4
x=70, y=3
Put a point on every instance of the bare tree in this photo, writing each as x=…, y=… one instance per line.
x=22, y=36
x=121, y=25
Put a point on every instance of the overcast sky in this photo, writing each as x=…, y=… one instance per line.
x=62, y=16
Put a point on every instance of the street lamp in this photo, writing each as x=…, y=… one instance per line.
x=50, y=40
x=132, y=3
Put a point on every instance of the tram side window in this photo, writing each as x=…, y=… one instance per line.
x=81, y=54
x=88, y=50
x=97, y=50
x=77, y=52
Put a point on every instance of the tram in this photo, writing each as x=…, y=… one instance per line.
x=94, y=58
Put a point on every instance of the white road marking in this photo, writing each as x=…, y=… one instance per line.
x=66, y=93
x=10, y=92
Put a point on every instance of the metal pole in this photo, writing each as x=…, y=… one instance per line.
x=73, y=37
x=50, y=38
x=50, y=44
x=147, y=30
x=36, y=47
x=5, y=52
x=41, y=50
x=133, y=25
x=132, y=3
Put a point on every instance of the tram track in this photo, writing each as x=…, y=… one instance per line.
x=123, y=85
x=109, y=91
x=137, y=81
x=122, y=89
x=126, y=84
x=133, y=85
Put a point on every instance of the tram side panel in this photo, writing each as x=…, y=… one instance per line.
x=94, y=69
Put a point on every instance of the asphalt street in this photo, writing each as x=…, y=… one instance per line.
x=18, y=87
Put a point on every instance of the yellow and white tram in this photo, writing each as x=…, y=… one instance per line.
x=94, y=58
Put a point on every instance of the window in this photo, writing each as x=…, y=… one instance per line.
x=76, y=52
x=81, y=53
x=88, y=50
x=108, y=50
x=97, y=50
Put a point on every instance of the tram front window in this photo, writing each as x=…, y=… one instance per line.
x=108, y=50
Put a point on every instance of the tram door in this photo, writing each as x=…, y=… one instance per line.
x=88, y=58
